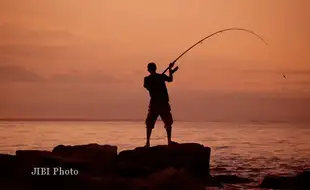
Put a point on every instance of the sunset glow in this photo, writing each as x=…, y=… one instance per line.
x=87, y=59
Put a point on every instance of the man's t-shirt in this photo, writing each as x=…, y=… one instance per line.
x=156, y=86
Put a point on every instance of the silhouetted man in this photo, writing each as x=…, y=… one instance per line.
x=159, y=103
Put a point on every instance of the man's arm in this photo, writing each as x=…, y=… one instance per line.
x=145, y=85
x=171, y=71
x=170, y=77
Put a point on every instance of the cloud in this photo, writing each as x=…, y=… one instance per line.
x=301, y=83
x=76, y=77
x=18, y=74
x=287, y=72
x=22, y=46
x=259, y=71
x=299, y=72
x=13, y=34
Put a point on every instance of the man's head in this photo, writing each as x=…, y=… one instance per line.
x=151, y=67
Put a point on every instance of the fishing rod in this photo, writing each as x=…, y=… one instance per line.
x=200, y=42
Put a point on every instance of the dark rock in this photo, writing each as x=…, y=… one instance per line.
x=194, y=158
x=172, y=179
x=298, y=182
x=99, y=166
x=92, y=159
x=101, y=159
x=7, y=165
x=277, y=182
x=28, y=159
x=302, y=180
x=207, y=180
x=8, y=169
x=84, y=182
x=231, y=179
x=211, y=182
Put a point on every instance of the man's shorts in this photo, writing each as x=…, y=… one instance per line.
x=160, y=109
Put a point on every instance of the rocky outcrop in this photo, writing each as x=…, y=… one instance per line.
x=92, y=159
x=98, y=159
x=192, y=158
x=8, y=165
x=298, y=182
x=172, y=178
x=100, y=167
x=97, y=167
x=230, y=179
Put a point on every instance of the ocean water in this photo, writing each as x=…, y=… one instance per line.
x=251, y=150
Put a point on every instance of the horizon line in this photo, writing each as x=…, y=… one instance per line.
x=138, y=120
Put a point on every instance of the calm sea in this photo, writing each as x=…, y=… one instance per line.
x=250, y=150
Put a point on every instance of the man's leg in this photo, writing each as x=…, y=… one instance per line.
x=150, y=123
x=168, y=130
x=148, y=136
x=166, y=116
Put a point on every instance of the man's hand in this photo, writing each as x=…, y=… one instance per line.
x=171, y=65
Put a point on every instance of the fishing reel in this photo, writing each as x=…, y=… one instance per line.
x=175, y=69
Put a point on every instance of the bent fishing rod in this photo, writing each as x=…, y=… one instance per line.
x=200, y=42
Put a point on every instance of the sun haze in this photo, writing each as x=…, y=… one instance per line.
x=87, y=59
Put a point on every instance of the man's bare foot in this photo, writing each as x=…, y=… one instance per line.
x=147, y=145
x=172, y=143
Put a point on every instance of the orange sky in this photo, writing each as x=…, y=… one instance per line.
x=72, y=58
